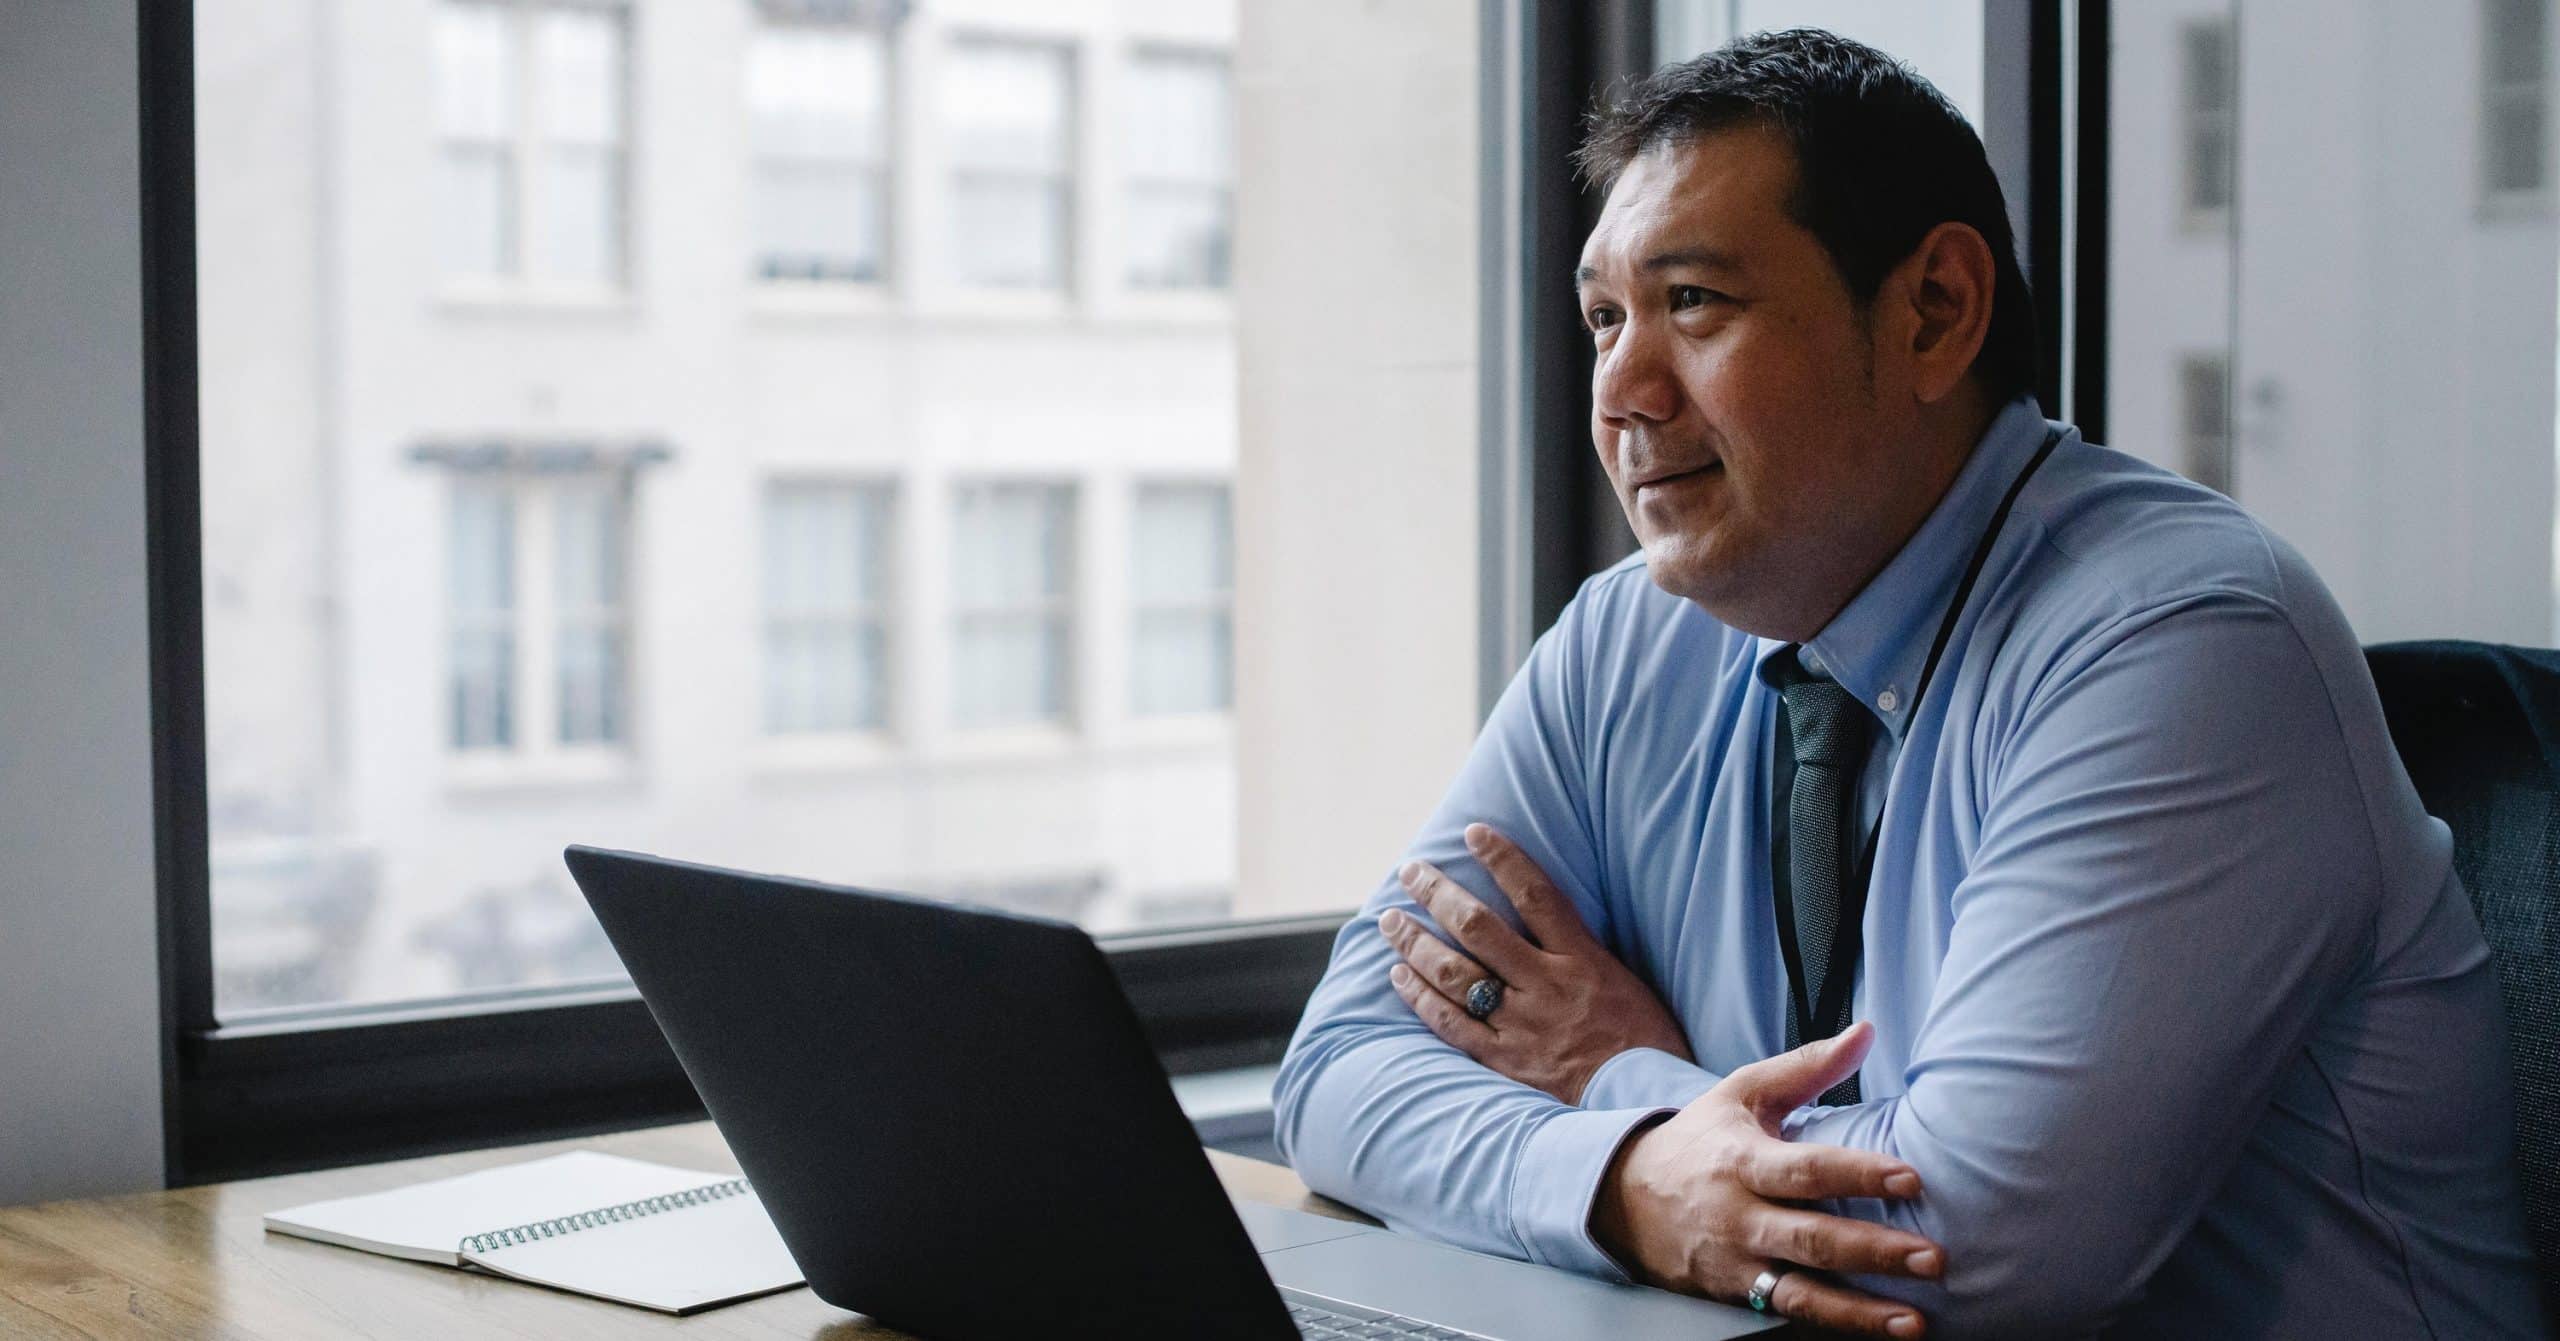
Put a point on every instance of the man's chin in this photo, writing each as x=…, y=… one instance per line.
x=1683, y=569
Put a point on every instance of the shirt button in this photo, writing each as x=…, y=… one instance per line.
x=1811, y=661
x=1888, y=700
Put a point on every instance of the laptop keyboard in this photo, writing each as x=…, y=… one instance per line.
x=1318, y=1323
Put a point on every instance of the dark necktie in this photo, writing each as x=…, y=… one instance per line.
x=1827, y=732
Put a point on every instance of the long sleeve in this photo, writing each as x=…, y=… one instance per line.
x=1373, y=1109
x=2175, y=875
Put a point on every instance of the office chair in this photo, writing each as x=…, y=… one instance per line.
x=2478, y=727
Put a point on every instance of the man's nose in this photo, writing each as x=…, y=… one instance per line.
x=1633, y=379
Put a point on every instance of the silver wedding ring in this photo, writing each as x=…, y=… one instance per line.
x=1764, y=1287
x=1484, y=997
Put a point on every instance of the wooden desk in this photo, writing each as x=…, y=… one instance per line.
x=196, y=1263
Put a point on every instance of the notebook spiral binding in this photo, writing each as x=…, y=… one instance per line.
x=571, y=1224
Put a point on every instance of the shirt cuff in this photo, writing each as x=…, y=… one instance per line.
x=1641, y=1076
x=1557, y=1180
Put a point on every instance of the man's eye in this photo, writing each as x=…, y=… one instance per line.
x=1600, y=318
x=1690, y=295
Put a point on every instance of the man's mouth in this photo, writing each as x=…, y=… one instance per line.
x=1677, y=476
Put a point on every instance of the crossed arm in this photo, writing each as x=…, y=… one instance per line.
x=2174, y=863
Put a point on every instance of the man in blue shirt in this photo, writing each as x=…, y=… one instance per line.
x=2056, y=774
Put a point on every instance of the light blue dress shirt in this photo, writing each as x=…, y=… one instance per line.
x=2181, y=1013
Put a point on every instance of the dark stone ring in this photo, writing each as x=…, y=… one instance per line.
x=1484, y=997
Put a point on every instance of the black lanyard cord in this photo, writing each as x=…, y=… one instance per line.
x=1852, y=933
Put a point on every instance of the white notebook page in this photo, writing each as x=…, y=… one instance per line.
x=426, y=1222
x=675, y=1260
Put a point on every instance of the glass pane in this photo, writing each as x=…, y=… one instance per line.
x=1942, y=39
x=578, y=235
x=826, y=555
x=591, y=683
x=2383, y=329
x=819, y=93
x=1010, y=232
x=1007, y=107
x=820, y=220
x=1180, y=123
x=1181, y=661
x=587, y=526
x=1178, y=236
x=480, y=611
x=1182, y=550
x=474, y=72
x=412, y=702
x=577, y=57
x=1010, y=670
x=1010, y=545
x=478, y=204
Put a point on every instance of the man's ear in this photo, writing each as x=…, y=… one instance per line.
x=1948, y=282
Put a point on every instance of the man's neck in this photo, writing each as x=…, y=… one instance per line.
x=1948, y=437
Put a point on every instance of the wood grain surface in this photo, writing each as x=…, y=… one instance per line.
x=197, y=1263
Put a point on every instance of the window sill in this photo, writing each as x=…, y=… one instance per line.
x=496, y=773
x=1045, y=740
x=829, y=754
x=822, y=300
x=1186, y=730
x=477, y=300
x=1176, y=309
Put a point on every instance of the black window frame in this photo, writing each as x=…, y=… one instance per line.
x=326, y=1086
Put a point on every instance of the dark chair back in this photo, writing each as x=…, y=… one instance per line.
x=2478, y=727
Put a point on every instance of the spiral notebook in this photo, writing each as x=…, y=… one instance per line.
x=676, y=1240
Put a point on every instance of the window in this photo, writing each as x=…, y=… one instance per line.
x=2204, y=395
x=818, y=124
x=535, y=611
x=872, y=618
x=1012, y=578
x=1182, y=578
x=2205, y=93
x=530, y=107
x=1180, y=142
x=2358, y=357
x=2515, y=65
x=826, y=592
x=1008, y=109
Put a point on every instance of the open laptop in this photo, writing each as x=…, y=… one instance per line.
x=959, y=1130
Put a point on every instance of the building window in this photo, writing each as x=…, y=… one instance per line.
x=530, y=109
x=2514, y=67
x=1010, y=107
x=537, y=614
x=2206, y=95
x=1012, y=585
x=818, y=131
x=2204, y=401
x=1182, y=594
x=1181, y=170
x=826, y=596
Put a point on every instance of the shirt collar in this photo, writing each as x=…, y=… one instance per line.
x=1876, y=645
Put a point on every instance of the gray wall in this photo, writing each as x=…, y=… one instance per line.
x=79, y=993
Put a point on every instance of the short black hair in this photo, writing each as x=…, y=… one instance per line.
x=1881, y=158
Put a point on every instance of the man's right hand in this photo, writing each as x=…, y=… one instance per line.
x=1700, y=1202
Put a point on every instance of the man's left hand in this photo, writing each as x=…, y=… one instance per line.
x=1567, y=1004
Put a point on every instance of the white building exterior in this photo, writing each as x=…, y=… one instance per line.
x=355, y=387
x=2382, y=287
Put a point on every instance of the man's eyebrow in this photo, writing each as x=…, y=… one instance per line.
x=1690, y=258
x=1694, y=258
